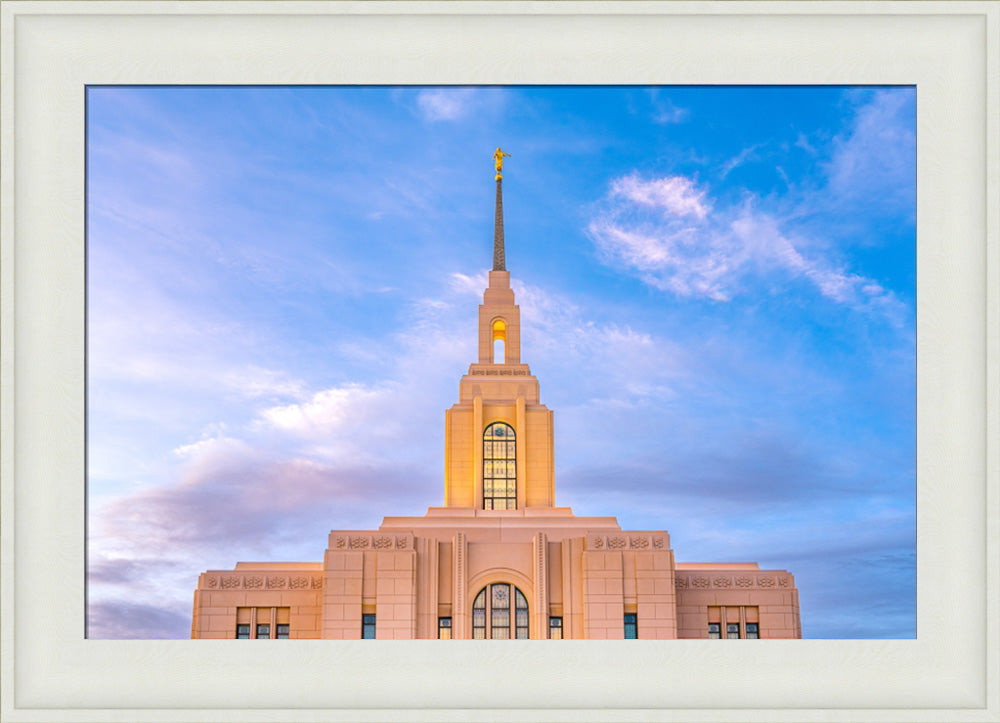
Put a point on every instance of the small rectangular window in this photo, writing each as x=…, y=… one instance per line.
x=368, y=627
x=263, y=631
x=753, y=631
x=714, y=631
x=631, y=626
x=733, y=631
x=243, y=632
x=444, y=628
x=282, y=631
x=555, y=628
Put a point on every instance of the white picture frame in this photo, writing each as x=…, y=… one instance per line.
x=53, y=50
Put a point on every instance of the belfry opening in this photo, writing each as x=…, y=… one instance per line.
x=499, y=341
x=498, y=559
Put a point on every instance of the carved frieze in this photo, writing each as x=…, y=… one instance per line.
x=616, y=543
x=690, y=579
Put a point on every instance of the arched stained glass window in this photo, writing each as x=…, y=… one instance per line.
x=491, y=613
x=499, y=467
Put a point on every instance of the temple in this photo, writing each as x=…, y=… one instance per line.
x=499, y=559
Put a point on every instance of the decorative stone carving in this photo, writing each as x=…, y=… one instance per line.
x=639, y=543
x=682, y=583
x=597, y=542
x=699, y=582
x=211, y=582
x=359, y=543
x=231, y=581
x=317, y=583
x=341, y=542
x=254, y=581
x=383, y=543
x=277, y=582
x=744, y=581
x=403, y=543
x=765, y=581
x=783, y=581
x=299, y=582
x=723, y=581
x=658, y=543
x=616, y=543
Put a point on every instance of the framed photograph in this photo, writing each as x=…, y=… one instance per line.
x=787, y=138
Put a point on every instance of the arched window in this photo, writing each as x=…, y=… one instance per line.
x=499, y=467
x=491, y=618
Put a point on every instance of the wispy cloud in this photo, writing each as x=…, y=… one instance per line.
x=664, y=111
x=676, y=238
x=739, y=159
x=675, y=195
x=875, y=158
x=455, y=104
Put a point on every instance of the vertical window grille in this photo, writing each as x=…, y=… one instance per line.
x=520, y=615
x=263, y=631
x=555, y=628
x=631, y=626
x=499, y=467
x=753, y=630
x=368, y=627
x=444, y=628
x=479, y=616
x=500, y=611
x=732, y=631
x=714, y=631
x=493, y=603
x=243, y=632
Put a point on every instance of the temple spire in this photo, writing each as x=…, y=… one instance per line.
x=498, y=250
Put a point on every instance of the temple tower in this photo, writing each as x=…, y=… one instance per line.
x=498, y=438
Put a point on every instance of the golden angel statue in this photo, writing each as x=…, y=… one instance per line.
x=498, y=157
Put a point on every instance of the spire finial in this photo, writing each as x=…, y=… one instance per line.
x=498, y=157
x=498, y=254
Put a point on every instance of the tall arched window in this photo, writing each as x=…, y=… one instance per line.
x=491, y=613
x=499, y=467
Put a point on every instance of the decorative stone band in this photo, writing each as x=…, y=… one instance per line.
x=499, y=372
x=370, y=541
x=256, y=580
x=691, y=580
x=629, y=541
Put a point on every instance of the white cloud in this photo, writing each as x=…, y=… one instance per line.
x=691, y=248
x=674, y=194
x=876, y=157
x=738, y=160
x=330, y=411
x=803, y=142
x=664, y=111
x=452, y=104
x=464, y=284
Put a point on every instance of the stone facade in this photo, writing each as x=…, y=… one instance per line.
x=499, y=559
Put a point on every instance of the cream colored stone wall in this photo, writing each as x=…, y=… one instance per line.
x=296, y=586
x=771, y=592
x=628, y=572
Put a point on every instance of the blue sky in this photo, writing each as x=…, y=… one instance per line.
x=717, y=290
